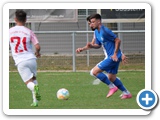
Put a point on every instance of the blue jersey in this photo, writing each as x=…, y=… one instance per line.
x=106, y=37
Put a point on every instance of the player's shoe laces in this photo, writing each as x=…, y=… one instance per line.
x=34, y=104
x=126, y=96
x=112, y=91
x=36, y=90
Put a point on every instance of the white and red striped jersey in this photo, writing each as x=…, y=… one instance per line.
x=21, y=40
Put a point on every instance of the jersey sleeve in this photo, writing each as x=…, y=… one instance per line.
x=98, y=42
x=34, y=38
x=96, y=39
x=109, y=34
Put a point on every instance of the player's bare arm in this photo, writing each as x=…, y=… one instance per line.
x=37, y=48
x=95, y=46
x=85, y=47
x=82, y=49
x=117, y=45
x=88, y=46
x=93, y=41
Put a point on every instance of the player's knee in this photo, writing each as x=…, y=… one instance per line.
x=92, y=73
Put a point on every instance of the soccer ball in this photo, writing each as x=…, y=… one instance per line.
x=63, y=94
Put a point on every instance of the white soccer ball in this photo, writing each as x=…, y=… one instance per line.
x=63, y=94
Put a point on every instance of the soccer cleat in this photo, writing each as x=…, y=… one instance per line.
x=112, y=91
x=126, y=96
x=36, y=90
x=34, y=104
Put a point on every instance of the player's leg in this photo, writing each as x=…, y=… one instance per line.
x=33, y=68
x=98, y=73
x=27, y=77
x=112, y=76
x=125, y=93
x=34, y=88
x=111, y=67
x=31, y=86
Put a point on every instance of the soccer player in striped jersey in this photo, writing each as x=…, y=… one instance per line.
x=21, y=39
x=105, y=38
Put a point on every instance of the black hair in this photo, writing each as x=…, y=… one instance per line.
x=88, y=18
x=20, y=15
x=96, y=16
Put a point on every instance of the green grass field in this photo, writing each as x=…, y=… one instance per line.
x=83, y=94
x=62, y=62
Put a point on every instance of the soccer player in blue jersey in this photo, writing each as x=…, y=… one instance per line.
x=105, y=38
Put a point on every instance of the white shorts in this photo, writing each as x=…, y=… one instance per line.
x=27, y=69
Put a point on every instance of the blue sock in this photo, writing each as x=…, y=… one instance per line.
x=119, y=84
x=103, y=78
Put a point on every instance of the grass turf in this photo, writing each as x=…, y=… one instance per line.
x=83, y=94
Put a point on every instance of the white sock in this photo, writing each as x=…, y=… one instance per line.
x=111, y=85
x=30, y=86
x=34, y=97
x=126, y=92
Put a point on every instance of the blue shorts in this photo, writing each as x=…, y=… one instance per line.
x=109, y=65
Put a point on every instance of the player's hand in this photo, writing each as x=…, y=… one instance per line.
x=114, y=58
x=79, y=50
x=37, y=54
x=124, y=59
